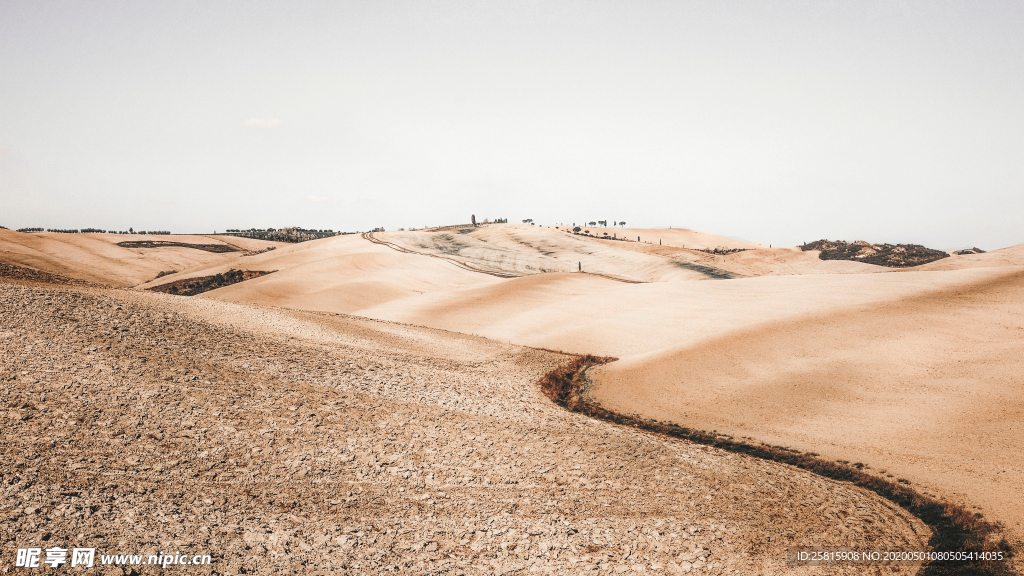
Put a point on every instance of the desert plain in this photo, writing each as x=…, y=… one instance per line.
x=369, y=403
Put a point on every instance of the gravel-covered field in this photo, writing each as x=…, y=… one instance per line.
x=287, y=442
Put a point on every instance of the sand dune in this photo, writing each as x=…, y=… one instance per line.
x=583, y=314
x=287, y=443
x=1011, y=256
x=568, y=311
x=98, y=258
x=344, y=274
x=927, y=386
x=533, y=250
x=915, y=370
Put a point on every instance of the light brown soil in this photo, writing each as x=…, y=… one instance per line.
x=22, y=274
x=288, y=442
x=99, y=259
x=914, y=371
x=926, y=387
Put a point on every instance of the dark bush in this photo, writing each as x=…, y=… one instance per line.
x=193, y=286
x=891, y=255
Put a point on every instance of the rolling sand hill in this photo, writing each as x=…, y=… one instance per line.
x=341, y=274
x=97, y=257
x=418, y=270
x=531, y=249
x=1012, y=256
x=927, y=386
x=914, y=371
x=283, y=442
x=588, y=313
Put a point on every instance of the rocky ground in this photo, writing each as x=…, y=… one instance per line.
x=282, y=442
x=12, y=273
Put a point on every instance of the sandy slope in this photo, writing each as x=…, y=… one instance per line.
x=645, y=323
x=570, y=311
x=97, y=258
x=1011, y=256
x=678, y=237
x=582, y=313
x=532, y=249
x=352, y=275
x=893, y=368
x=298, y=443
x=343, y=274
x=927, y=386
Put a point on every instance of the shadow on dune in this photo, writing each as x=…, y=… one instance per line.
x=709, y=271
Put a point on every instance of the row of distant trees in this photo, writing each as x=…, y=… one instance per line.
x=291, y=234
x=94, y=231
x=472, y=219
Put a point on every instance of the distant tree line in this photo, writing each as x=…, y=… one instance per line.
x=488, y=221
x=150, y=232
x=292, y=234
x=94, y=231
x=578, y=230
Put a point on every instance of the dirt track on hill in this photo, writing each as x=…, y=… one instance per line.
x=500, y=274
x=288, y=442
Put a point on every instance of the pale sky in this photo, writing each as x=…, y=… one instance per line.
x=779, y=122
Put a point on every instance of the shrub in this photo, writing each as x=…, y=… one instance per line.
x=891, y=255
